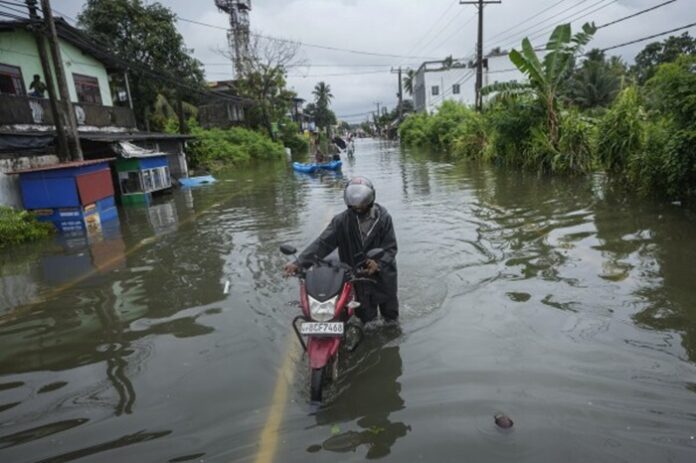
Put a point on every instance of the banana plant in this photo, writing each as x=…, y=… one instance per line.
x=545, y=77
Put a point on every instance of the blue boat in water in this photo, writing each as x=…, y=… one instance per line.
x=195, y=181
x=309, y=168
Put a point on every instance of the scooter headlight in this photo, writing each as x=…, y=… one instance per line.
x=322, y=311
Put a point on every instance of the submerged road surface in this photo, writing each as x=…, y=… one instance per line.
x=167, y=338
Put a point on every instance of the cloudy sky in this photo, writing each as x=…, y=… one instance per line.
x=403, y=33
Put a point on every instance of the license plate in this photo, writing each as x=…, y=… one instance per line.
x=325, y=329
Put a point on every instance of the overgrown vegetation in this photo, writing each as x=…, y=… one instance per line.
x=21, y=226
x=214, y=149
x=583, y=112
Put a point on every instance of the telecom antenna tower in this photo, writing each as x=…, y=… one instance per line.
x=238, y=35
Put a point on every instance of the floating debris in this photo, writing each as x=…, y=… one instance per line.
x=503, y=421
x=519, y=297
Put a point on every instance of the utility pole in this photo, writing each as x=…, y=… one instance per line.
x=62, y=148
x=71, y=122
x=479, y=48
x=400, y=94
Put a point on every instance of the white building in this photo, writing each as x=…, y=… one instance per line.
x=435, y=83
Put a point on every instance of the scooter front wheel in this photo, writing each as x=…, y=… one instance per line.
x=316, y=384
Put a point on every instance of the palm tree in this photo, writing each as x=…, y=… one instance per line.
x=409, y=80
x=546, y=77
x=594, y=85
x=323, y=116
x=322, y=93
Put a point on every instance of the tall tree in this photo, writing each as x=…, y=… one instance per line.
x=657, y=53
x=323, y=115
x=264, y=79
x=145, y=38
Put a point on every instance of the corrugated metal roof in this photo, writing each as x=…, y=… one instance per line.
x=103, y=136
x=120, y=136
x=62, y=165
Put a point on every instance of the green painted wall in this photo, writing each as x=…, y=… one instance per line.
x=18, y=48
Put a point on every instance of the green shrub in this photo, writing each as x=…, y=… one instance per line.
x=667, y=165
x=645, y=170
x=444, y=124
x=470, y=138
x=415, y=130
x=21, y=226
x=575, y=145
x=621, y=132
x=216, y=148
x=539, y=152
x=672, y=91
x=510, y=124
x=292, y=138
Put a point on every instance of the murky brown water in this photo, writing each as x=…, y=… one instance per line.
x=551, y=300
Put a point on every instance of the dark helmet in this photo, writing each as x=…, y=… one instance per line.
x=359, y=192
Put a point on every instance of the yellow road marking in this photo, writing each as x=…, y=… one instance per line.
x=268, y=442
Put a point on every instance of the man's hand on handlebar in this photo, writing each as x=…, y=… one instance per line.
x=290, y=269
x=371, y=267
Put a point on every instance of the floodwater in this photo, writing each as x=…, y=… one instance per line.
x=554, y=301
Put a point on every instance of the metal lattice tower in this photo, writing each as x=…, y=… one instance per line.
x=238, y=35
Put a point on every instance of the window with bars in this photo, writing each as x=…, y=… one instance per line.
x=87, y=89
x=11, y=81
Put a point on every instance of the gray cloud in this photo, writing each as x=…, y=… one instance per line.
x=432, y=28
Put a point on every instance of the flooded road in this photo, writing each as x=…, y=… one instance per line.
x=554, y=301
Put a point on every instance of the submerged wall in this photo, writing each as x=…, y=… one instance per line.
x=9, y=184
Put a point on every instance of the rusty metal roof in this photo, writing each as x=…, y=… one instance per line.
x=62, y=165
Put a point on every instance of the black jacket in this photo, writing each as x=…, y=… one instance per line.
x=343, y=233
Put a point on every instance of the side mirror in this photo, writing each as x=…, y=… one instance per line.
x=375, y=254
x=288, y=250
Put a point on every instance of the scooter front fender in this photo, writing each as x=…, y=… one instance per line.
x=322, y=350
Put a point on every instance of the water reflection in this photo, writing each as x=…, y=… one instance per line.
x=651, y=245
x=372, y=394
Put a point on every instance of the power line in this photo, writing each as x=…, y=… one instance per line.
x=303, y=76
x=424, y=46
x=688, y=26
x=173, y=80
x=536, y=15
x=358, y=115
x=304, y=44
x=507, y=37
x=635, y=14
x=570, y=18
x=455, y=32
x=325, y=65
x=420, y=40
x=12, y=16
x=542, y=47
x=12, y=6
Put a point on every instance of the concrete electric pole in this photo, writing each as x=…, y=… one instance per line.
x=70, y=120
x=479, y=48
x=58, y=117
